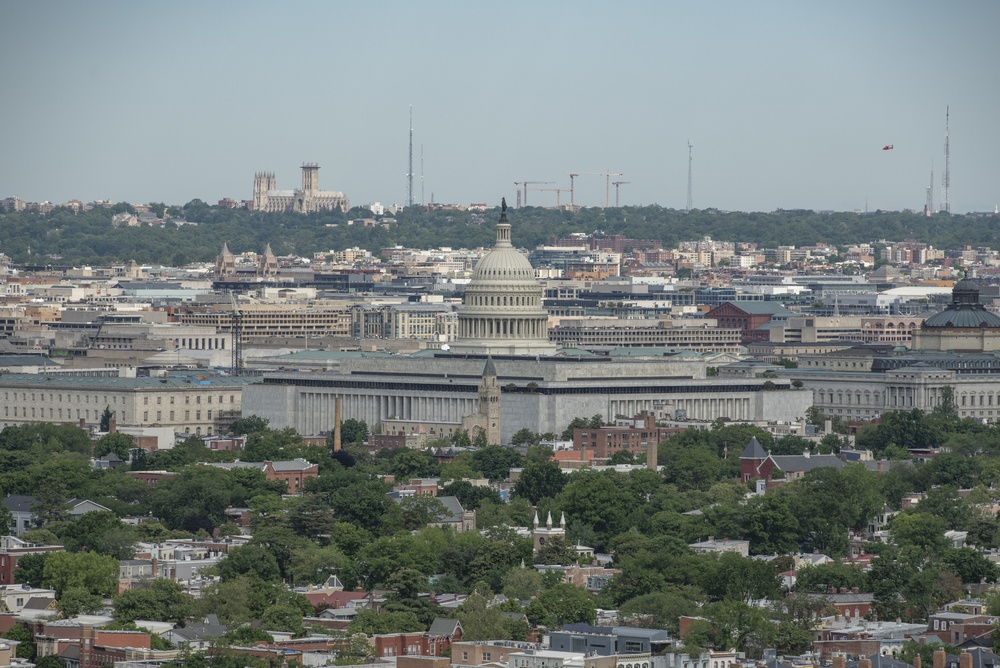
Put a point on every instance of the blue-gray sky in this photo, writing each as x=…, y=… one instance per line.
x=788, y=104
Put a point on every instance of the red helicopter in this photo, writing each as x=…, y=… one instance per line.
x=888, y=147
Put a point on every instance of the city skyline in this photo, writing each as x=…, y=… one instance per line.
x=786, y=105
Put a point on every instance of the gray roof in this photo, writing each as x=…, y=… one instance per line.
x=981, y=658
x=443, y=626
x=97, y=383
x=762, y=308
x=26, y=360
x=789, y=463
x=453, y=506
x=754, y=450
x=19, y=503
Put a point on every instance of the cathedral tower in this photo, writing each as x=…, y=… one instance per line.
x=310, y=177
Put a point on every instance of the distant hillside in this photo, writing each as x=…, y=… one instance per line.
x=62, y=237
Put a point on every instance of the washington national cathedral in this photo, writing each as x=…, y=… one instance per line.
x=308, y=199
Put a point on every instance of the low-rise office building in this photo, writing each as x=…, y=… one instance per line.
x=189, y=405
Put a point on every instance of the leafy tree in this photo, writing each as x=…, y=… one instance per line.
x=407, y=464
x=371, y=622
x=93, y=573
x=470, y=496
x=562, y=604
x=51, y=504
x=419, y=511
x=250, y=424
x=252, y=560
x=78, y=600
x=921, y=531
x=522, y=584
x=524, y=436
x=100, y=532
x=479, y=620
x=106, y=418
x=195, y=500
x=658, y=610
x=26, y=646
x=495, y=461
x=540, y=480
x=353, y=431
x=824, y=577
x=556, y=551
x=157, y=599
x=247, y=635
x=30, y=568
x=970, y=565
x=116, y=442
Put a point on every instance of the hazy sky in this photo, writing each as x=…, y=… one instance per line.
x=788, y=104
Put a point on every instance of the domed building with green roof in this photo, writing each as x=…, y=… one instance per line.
x=964, y=326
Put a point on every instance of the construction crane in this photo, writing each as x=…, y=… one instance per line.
x=557, y=191
x=237, y=332
x=526, y=184
x=607, y=185
x=617, y=184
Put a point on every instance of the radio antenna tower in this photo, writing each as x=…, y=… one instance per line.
x=409, y=174
x=929, y=206
x=690, y=199
x=422, y=200
x=946, y=178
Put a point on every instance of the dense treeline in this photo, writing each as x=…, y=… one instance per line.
x=62, y=237
x=345, y=524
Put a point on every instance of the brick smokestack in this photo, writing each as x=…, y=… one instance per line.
x=964, y=660
x=939, y=658
x=112, y=425
x=336, y=424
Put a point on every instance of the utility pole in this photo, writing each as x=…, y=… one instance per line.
x=690, y=199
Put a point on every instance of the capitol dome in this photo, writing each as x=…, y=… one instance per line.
x=502, y=309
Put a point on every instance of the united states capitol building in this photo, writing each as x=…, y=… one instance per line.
x=503, y=348
x=308, y=199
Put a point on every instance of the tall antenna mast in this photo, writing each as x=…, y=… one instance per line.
x=690, y=199
x=946, y=178
x=409, y=174
x=422, y=200
x=929, y=206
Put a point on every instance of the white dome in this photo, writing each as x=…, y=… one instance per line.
x=502, y=309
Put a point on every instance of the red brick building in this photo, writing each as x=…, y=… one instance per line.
x=641, y=437
x=13, y=548
x=748, y=317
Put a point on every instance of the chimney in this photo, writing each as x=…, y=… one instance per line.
x=828, y=426
x=839, y=661
x=82, y=423
x=651, y=452
x=939, y=658
x=336, y=424
x=916, y=661
x=865, y=662
x=964, y=660
x=112, y=425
